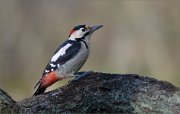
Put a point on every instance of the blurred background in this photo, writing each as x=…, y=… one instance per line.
x=139, y=36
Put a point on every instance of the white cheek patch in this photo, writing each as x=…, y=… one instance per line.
x=61, y=52
x=76, y=34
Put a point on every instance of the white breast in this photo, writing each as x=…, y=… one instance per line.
x=75, y=63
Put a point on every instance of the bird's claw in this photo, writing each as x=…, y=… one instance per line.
x=80, y=75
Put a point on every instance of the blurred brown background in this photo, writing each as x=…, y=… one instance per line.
x=139, y=36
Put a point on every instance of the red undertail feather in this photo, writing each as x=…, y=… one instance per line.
x=45, y=82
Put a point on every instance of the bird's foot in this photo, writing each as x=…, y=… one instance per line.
x=80, y=75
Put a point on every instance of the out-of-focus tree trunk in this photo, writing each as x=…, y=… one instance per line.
x=101, y=92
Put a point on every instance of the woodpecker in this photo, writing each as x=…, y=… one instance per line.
x=69, y=57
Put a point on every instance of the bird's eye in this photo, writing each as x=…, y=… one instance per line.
x=83, y=30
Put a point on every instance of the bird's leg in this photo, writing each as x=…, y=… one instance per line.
x=79, y=75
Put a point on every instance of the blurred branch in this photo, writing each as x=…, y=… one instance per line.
x=101, y=92
x=7, y=104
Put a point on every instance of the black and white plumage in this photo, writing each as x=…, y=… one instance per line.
x=68, y=58
x=64, y=53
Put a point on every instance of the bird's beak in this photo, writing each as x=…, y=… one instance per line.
x=94, y=28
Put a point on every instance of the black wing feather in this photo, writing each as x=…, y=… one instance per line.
x=70, y=53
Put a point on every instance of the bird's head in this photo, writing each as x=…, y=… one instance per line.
x=82, y=32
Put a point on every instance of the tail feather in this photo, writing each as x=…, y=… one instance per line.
x=39, y=90
x=45, y=82
x=37, y=84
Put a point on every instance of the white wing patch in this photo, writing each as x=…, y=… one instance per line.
x=46, y=71
x=58, y=65
x=61, y=52
x=52, y=65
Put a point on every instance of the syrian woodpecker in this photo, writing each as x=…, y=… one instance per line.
x=68, y=58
